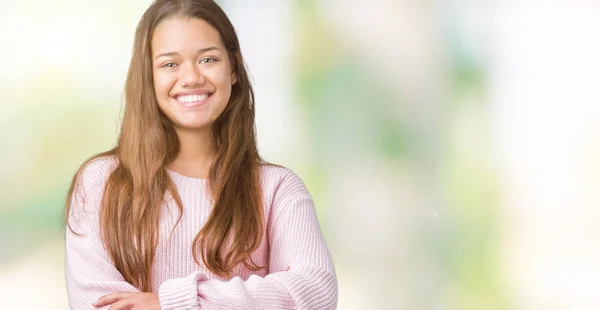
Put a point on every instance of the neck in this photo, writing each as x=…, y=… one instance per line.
x=196, y=153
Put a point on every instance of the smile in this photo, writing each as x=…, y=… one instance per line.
x=192, y=101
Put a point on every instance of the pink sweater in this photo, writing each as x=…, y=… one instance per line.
x=300, y=273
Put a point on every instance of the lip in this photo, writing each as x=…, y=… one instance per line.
x=192, y=92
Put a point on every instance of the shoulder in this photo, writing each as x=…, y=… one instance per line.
x=96, y=171
x=91, y=179
x=280, y=184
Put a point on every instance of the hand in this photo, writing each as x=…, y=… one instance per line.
x=129, y=301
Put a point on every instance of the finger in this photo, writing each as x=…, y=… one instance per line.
x=111, y=298
x=123, y=304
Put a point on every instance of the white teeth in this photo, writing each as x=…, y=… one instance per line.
x=192, y=98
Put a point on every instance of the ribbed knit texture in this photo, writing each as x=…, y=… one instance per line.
x=300, y=273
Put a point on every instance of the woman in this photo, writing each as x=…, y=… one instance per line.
x=183, y=213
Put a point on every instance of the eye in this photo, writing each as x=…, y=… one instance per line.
x=169, y=65
x=208, y=60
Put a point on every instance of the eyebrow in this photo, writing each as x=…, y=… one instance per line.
x=200, y=51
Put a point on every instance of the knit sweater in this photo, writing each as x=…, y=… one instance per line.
x=299, y=275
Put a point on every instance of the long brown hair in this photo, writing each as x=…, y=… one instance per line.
x=147, y=143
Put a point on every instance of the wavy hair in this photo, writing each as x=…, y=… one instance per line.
x=147, y=143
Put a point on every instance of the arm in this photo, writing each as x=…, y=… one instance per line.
x=89, y=271
x=302, y=274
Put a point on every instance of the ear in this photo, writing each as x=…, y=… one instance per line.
x=233, y=77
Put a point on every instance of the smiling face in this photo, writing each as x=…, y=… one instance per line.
x=192, y=72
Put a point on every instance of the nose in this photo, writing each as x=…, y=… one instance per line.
x=190, y=75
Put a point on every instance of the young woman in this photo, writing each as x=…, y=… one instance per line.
x=183, y=213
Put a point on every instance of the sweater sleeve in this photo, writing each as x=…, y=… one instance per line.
x=301, y=272
x=89, y=272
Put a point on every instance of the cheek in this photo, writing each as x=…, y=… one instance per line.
x=162, y=85
x=223, y=82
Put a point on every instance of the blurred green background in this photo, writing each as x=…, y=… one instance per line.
x=452, y=147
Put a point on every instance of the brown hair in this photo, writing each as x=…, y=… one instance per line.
x=147, y=143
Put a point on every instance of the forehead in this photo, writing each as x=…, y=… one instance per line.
x=181, y=34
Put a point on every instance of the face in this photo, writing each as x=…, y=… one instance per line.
x=192, y=72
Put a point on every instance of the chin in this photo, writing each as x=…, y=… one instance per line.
x=192, y=126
